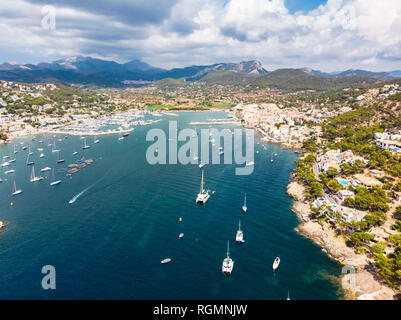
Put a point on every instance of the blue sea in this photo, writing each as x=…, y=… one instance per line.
x=109, y=243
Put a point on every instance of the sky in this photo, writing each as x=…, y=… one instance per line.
x=327, y=35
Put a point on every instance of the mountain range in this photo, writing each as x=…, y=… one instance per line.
x=105, y=73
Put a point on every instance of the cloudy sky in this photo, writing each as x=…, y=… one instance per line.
x=329, y=35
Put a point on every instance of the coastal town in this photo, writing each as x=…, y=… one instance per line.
x=329, y=184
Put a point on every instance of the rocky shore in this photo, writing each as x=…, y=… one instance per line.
x=364, y=284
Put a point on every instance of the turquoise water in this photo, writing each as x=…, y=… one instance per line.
x=343, y=182
x=109, y=243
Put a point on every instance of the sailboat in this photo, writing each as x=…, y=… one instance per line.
x=28, y=162
x=75, y=151
x=59, y=159
x=85, y=145
x=288, y=296
x=228, y=263
x=203, y=195
x=244, y=207
x=33, y=178
x=240, y=234
x=29, y=151
x=276, y=263
x=54, y=147
x=15, y=191
x=95, y=140
x=120, y=137
x=15, y=150
x=45, y=169
x=54, y=181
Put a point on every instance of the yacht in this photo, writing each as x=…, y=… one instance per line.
x=24, y=148
x=240, y=234
x=5, y=163
x=203, y=195
x=125, y=134
x=181, y=235
x=167, y=260
x=276, y=263
x=228, y=263
x=11, y=160
x=33, y=178
x=46, y=169
x=41, y=155
x=15, y=190
x=244, y=207
x=54, y=181
x=95, y=140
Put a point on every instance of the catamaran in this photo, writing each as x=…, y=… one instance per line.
x=85, y=145
x=240, y=234
x=228, y=263
x=244, y=207
x=15, y=191
x=203, y=195
x=54, y=181
x=33, y=178
x=276, y=263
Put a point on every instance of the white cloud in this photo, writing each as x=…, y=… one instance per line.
x=338, y=35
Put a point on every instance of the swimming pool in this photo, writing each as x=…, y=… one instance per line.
x=343, y=182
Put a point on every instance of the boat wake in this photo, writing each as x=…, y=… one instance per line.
x=75, y=198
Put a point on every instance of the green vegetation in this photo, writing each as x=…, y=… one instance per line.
x=373, y=199
x=304, y=173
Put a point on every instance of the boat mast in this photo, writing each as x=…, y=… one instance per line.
x=239, y=226
x=228, y=248
x=245, y=200
x=201, y=188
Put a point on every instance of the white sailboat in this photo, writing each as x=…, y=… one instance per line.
x=9, y=171
x=54, y=149
x=28, y=161
x=95, y=140
x=29, y=151
x=85, y=145
x=46, y=169
x=15, y=190
x=75, y=151
x=240, y=234
x=15, y=150
x=120, y=137
x=244, y=207
x=203, y=195
x=54, y=181
x=180, y=235
x=276, y=263
x=41, y=155
x=288, y=296
x=33, y=178
x=228, y=263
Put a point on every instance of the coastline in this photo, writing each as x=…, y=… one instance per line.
x=365, y=283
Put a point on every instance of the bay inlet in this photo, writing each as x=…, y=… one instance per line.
x=109, y=242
